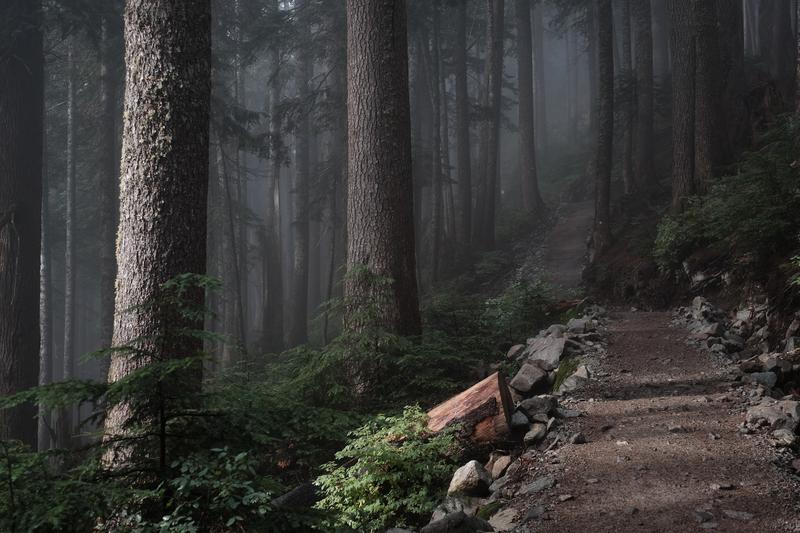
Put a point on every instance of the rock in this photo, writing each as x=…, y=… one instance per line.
x=774, y=414
x=712, y=329
x=565, y=498
x=535, y=434
x=722, y=486
x=793, y=329
x=577, y=380
x=737, y=515
x=796, y=466
x=733, y=342
x=765, y=379
x=578, y=325
x=749, y=367
x=702, y=516
x=539, y=485
x=774, y=363
x=719, y=348
x=557, y=330
x=458, y=522
x=453, y=504
x=577, y=438
x=792, y=344
x=547, y=353
x=472, y=479
x=676, y=428
x=515, y=351
x=543, y=404
x=499, y=484
x=519, y=421
x=535, y=512
x=567, y=413
x=784, y=438
x=504, y=520
x=528, y=377
x=500, y=466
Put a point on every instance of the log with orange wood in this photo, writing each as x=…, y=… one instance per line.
x=483, y=411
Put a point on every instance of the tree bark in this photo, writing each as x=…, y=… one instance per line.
x=529, y=182
x=539, y=86
x=380, y=226
x=45, y=311
x=628, y=109
x=682, y=47
x=601, y=235
x=64, y=425
x=731, y=40
x=21, y=115
x=644, y=168
x=661, y=40
x=163, y=190
x=463, y=146
x=437, y=199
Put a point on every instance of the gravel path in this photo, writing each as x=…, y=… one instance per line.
x=664, y=453
x=565, y=247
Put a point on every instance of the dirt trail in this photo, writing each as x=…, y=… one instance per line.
x=664, y=453
x=565, y=248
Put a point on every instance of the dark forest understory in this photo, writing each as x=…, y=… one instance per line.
x=399, y=265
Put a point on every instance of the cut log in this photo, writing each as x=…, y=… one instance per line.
x=484, y=410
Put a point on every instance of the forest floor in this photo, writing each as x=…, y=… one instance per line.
x=664, y=452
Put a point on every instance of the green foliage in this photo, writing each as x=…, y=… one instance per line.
x=754, y=212
x=566, y=368
x=517, y=311
x=392, y=472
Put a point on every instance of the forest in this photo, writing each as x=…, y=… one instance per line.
x=402, y=266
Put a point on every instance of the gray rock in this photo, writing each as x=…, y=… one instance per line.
x=737, y=515
x=557, y=330
x=562, y=412
x=577, y=380
x=713, y=329
x=793, y=328
x=453, y=504
x=578, y=438
x=534, y=512
x=792, y=343
x=544, y=404
x=539, y=485
x=458, y=522
x=504, y=520
x=500, y=466
x=528, y=378
x=546, y=353
x=784, y=438
x=578, y=325
x=774, y=414
x=515, y=351
x=765, y=379
x=536, y=433
x=472, y=479
x=519, y=421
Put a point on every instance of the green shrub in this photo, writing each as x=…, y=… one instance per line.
x=392, y=473
x=753, y=212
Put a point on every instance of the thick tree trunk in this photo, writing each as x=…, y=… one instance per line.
x=781, y=49
x=731, y=40
x=437, y=198
x=483, y=411
x=682, y=46
x=531, y=198
x=298, y=330
x=21, y=113
x=380, y=226
x=64, y=425
x=710, y=129
x=628, y=109
x=644, y=168
x=661, y=40
x=539, y=91
x=463, y=146
x=163, y=190
x=601, y=235
x=485, y=235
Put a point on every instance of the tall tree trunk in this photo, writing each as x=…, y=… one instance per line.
x=463, y=145
x=731, y=40
x=437, y=207
x=751, y=27
x=797, y=62
x=539, y=87
x=531, y=198
x=644, y=168
x=571, y=41
x=298, y=330
x=163, y=191
x=592, y=32
x=242, y=244
x=661, y=40
x=65, y=419
x=710, y=127
x=494, y=86
x=21, y=114
x=781, y=50
x=601, y=235
x=380, y=227
x=682, y=49
x=272, y=314
x=107, y=179
x=45, y=312
x=628, y=109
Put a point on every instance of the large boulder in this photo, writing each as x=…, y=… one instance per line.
x=775, y=414
x=538, y=405
x=578, y=379
x=528, y=378
x=546, y=352
x=765, y=379
x=579, y=325
x=468, y=505
x=472, y=479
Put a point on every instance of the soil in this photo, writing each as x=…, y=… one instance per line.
x=664, y=453
x=565, y=248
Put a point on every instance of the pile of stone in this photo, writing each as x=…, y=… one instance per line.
x=711, y=328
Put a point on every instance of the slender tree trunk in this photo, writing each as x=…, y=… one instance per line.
x=21, y=115
x=731, y=41
x=463, y=146
x=494, y=86
x=447, y=174
x=437, y=198
x=531, y=198
x=710, y=127
x=751, y=27
x=242, y=244
x=781, y=46
x=629, y=103
x=298, y=330
x=661, y=40
x=380, y=225
x=539, y=90
x=797, y=62
x=644, y=168
x=592, y=32
x=571, y=40
x=163, y=190
x=65, y=421
x=601, y=236
x=45, y=312
x=107, y=181
x=682, y=46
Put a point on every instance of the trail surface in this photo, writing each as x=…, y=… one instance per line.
x=664, y=453
x=565, y=248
